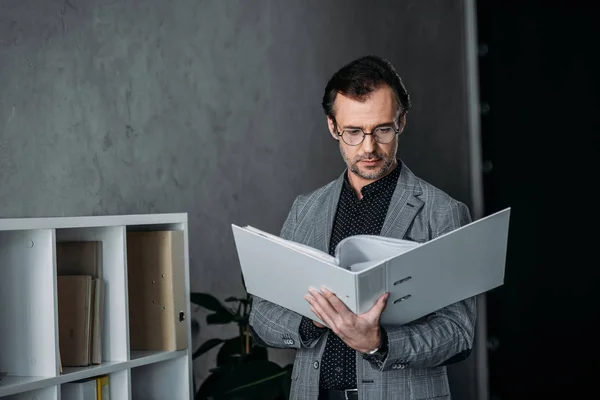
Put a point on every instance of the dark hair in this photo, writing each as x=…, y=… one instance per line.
x=362, y=76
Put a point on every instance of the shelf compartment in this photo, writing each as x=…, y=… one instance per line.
x=14, y=385
x=48, y=393
x=27, y=295
x=115, y=329
x=118, y=382
x=161, y=380
x=157, y=297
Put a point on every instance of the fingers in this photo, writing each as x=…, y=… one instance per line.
x=322, y=307
x=317, y=309
x=335, y=302
x=323, y=302
x=320, y=316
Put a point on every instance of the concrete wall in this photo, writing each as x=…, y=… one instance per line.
x=210, y=108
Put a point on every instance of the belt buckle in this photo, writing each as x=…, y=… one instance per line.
x=348, y=390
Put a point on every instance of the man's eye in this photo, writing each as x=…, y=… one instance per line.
x=354, y=132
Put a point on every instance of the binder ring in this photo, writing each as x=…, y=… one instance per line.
x=402, y=298
x=402, y=280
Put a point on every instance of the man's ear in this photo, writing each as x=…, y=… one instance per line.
x=332, y=130
x=402, y=123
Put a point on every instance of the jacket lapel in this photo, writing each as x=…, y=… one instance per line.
x=325, y=216
x=404, y=206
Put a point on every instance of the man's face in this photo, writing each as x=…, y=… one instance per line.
x=369, y=160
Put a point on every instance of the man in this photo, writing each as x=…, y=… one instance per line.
x=353, y=356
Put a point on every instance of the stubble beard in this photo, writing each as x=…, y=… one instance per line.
x=370, y=174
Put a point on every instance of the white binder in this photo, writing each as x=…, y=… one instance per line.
x=420, y=277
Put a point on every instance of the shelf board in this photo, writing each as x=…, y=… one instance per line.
x=10, y=385
x=12, y=224
x=17, y=384
x=139, y=358
x=71, y=374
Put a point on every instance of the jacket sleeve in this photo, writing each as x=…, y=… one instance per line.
x=272, y=325
x=443, y=337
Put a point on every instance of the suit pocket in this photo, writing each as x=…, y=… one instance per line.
x=431, y=386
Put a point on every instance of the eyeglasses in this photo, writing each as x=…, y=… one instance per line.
x=381, y=134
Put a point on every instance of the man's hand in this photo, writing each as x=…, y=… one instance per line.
x=360, y=332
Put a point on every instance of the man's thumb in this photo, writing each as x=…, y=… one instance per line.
x=382, y=301
x=380, y=305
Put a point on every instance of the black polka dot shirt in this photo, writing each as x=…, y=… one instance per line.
x=353, y=217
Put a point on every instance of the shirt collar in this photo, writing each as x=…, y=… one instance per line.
x=379, y=185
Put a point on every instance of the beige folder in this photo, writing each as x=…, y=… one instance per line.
x=74, y=310
x=85, y=258
x=157, y=299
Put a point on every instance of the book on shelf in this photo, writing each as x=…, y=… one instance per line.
x=156, y=287
x=421, y=277
x=102, y=387
x=80, y=274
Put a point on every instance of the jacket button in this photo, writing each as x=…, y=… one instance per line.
x=316, y=365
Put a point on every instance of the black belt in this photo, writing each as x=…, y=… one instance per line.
x=330, y=394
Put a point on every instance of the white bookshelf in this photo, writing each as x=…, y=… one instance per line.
x=29, y=342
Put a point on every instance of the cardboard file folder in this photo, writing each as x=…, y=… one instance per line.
x=420, y=277
x=74, y=319
x=156, y=281
x=86, y=258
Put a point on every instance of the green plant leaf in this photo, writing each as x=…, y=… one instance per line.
x=257, y=353
x=286, y=382
x=206, y=346
x=207, y=386
x=238, y=299
x=219, y=318
x=207, y=301
x=232, y=347
x=195, y=327
x=230, y=362
x=256, y=379
x=243, y=320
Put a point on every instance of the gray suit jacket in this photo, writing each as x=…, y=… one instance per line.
x=414, y=367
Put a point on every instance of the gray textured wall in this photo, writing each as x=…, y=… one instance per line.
x=210, y=108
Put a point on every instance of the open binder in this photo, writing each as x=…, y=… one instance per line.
x=420, y=277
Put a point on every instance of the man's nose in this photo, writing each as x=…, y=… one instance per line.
x=368, y=144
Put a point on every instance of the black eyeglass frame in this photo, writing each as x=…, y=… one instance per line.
x=396, y=131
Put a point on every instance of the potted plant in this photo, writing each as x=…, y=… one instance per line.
x=243, y=370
